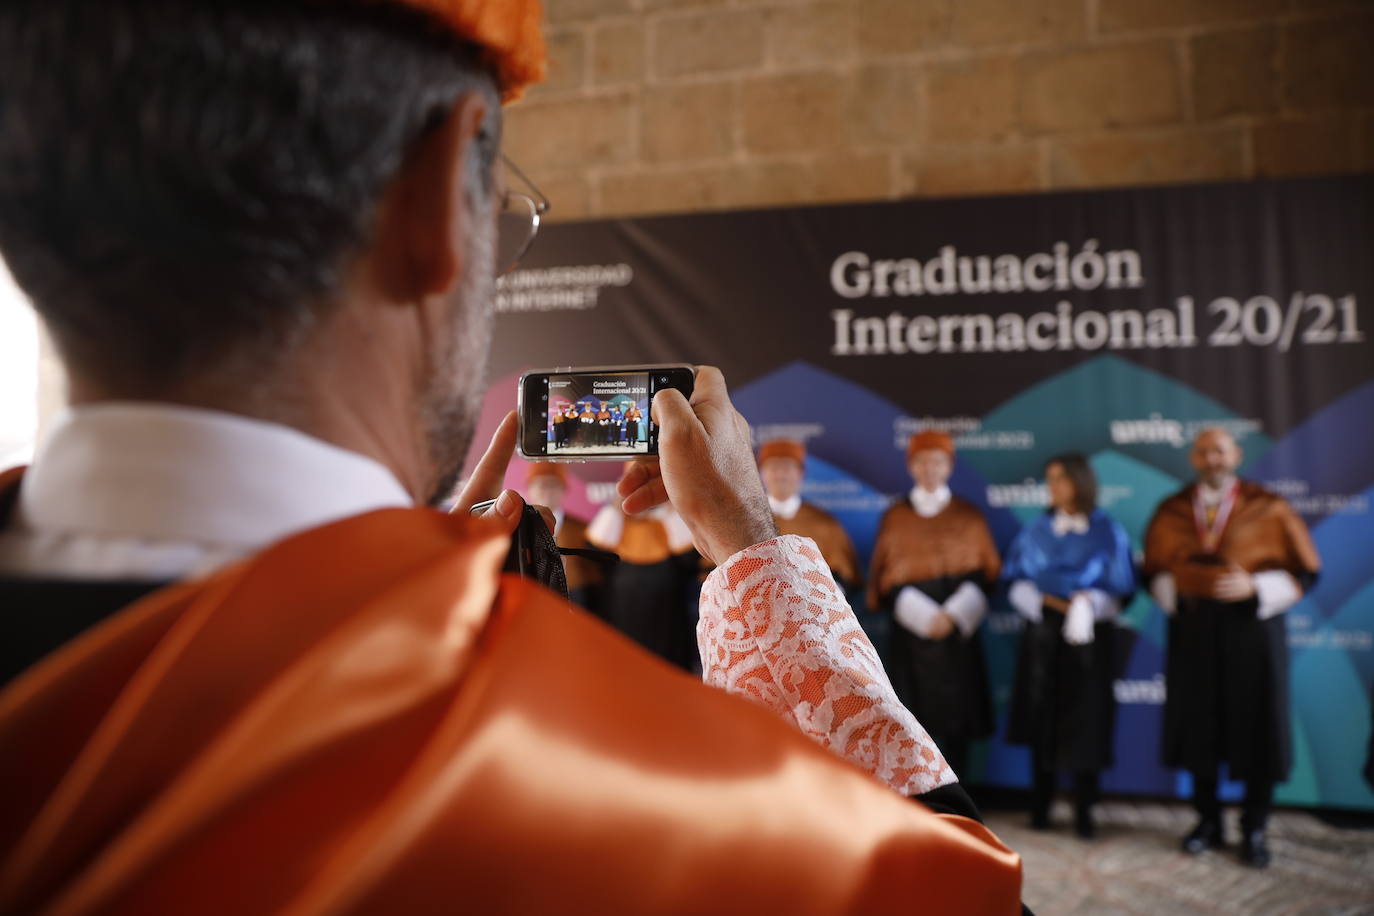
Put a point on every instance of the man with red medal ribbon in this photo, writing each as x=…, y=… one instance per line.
x=248, y=669
x=1225, y=558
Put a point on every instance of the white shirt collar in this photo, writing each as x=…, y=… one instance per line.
x=220, y=484
x=786, y=508
x=1069, y=523
x=929, y=503
x=1215, y=496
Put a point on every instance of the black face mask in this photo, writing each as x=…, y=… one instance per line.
x=534, y=553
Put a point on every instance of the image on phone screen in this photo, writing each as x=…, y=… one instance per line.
x=599, y=414
x=594, y=413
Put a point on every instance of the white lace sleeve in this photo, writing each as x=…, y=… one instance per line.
x=776, y=629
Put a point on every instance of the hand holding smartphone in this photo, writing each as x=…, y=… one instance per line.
x=707, y=468
x=596, y=413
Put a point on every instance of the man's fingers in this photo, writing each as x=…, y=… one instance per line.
x=636, y=475
x=651, y=495
x=507, y=510
x=1230, y=585
x=490, y=473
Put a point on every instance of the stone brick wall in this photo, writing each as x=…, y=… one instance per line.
x=684, y=105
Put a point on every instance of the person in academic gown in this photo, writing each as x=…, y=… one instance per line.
x=559, y=429
x=1225, y=558
x=1071, y=572
x=568, y=428
x=587, y=424
x=546, y=484
x=633, y=418
x=647, y=595
x=782, y=466
x=604, y=428
x=253, y=672
x=934, y=564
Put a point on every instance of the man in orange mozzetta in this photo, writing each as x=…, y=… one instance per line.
x=249, y=671
x=782, y=467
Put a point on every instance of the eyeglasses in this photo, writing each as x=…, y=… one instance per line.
x=518, y=222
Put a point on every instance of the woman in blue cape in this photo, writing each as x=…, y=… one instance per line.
x=1071, y=573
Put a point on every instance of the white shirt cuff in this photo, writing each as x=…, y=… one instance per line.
x=916, y=610
x=607, y=528
x=1105, y=606
x=679, y=535
x=1277, y=592
x=1079, y=619
x=968, y=606
x=1025, y=597
x=1165, y=592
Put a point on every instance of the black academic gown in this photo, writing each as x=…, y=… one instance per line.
x=1232, y=668
x=40, y=615
x=942, y=681
x=649, y=603
x=1062, y=704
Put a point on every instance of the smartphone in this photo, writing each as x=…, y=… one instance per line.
x=599, y=413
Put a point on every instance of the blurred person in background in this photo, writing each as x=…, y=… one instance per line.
x=546, y=485
x=1225, y=559
x=934, y=564
x=1071, y=573
x=782, y=466
x=647, y=595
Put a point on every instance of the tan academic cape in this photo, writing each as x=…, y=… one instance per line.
x=1263, y=533
x=823, y=528
x=911, y=548
x=580, y=572
x=368, y=718
x=643, y=541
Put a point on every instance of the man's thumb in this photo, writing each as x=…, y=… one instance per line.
x=670, y=409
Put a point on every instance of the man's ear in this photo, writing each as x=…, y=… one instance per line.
x=424, y=217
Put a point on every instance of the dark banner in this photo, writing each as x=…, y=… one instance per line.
x=1114, y=323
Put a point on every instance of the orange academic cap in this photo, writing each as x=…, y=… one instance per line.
x=509, y=30
x=546, y=469
x=928, y=440
x=783, y=448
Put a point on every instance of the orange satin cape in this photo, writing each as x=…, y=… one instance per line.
x=369, y=718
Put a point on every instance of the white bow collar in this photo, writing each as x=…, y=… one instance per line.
x=929, y=503
x=1070, y=523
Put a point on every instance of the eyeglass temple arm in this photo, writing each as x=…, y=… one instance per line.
x=542, y=204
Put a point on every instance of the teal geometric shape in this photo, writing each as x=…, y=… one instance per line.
x=1077, y=409
x=1148, y=487
x=1331, y=697
x=1302, y=787
x=1145, y=617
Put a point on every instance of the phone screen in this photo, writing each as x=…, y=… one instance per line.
x=591, y=414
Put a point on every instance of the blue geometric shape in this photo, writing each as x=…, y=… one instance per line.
x=1344, y=542
x=1332, y=450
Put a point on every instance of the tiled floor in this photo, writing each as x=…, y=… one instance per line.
x=1135, y=866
